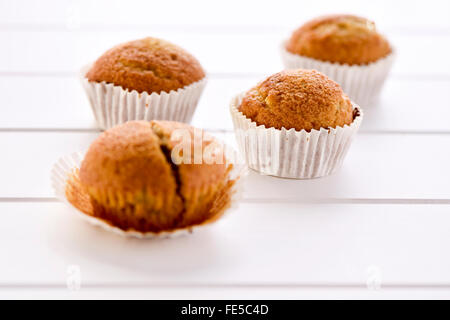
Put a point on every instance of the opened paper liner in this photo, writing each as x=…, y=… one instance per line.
x=65, y=168
x=290, y=153
x=113, y=105
x=362, y=84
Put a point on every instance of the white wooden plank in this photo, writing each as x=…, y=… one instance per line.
x=68, y=51
x=209, y=293
x=272, y=245
x=219, y=53
x=406, y=106
x=377, y=167
x=44, y=102
x=398, y=14
x=59, y=102
x=387, y=166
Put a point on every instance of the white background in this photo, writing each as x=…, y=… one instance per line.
x=380, y=228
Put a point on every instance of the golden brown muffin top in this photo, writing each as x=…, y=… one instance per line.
x=147, y=65
x=298, y=99
x=344, y=39
x=138, y=155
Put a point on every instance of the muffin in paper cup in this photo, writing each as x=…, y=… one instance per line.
x=290, y=153
x=146, y=79
x=363, y=83
x=113, y=105
x=65, y=177
x=347, y=48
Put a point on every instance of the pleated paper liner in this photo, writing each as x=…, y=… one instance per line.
x=65, y=181
x=362, y=84
x=290, y=153
x=113, y=105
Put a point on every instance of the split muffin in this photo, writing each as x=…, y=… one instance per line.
x=144, y=79
x=347, y=48
x=295, y=124
x=140, y=176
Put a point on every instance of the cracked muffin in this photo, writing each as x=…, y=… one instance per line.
x=344, y=39
x=298, y=99
x=133, y=178
x=147, y=65
x=146, y=79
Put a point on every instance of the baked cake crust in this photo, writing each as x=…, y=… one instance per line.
x=147, y=65
x=344, y=39
x=298, y=99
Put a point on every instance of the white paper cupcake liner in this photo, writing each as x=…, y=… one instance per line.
x=65, y=167
x=362, y=84
x=290, y=153
x=113, y=105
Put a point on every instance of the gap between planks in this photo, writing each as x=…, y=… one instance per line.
x=356, y=286
x=220, y=75
x=197, y=29
x=222, y=131
x=298, y=201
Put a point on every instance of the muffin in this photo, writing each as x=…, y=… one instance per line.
x=344, y=39
x=144, y=79
x=298, y=99
x=295, y=124
x=144, y=177
x=147, y=65
x=347, y=48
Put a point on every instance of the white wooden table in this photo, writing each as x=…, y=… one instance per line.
x=380, y=228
